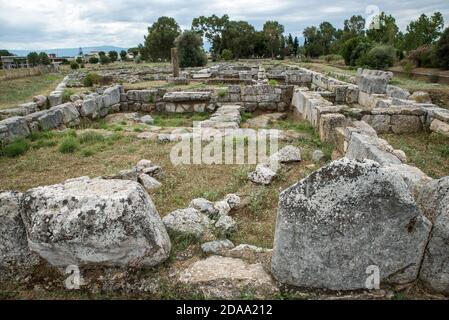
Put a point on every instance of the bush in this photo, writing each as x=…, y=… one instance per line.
x=94, y=60
x=380, y=57
x=348, y=49
x=442, y=50
x=222, y=93
x=74, y=65
x=66, y=95
x=227, y=55
x=407, y=66
x=15, y=148
x=68, y=145
x=91, y=79
x=79, y=60
x=190, y=50
x=104, y=59
x=273, y=82
x=423, y=57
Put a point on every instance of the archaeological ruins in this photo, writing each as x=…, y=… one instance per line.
x=366, y=209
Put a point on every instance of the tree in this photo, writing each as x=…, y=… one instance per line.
x=160, y=39
x=123, y=55
x=273, y=32
x=383, y=29
x=423, y=31
x=442, y=49
x=190, y=50
x=44, y=59
x=238, y=37
x=295, y=46
x=113, y=55
x=354, y=27
x=379, y=57
x=104, y=59
x=94, y=60
x=312, y=46
x=227, y=55
x=353, y=49
x=326, y=35
x=4, y=52
x=33, y=58
x=212, y=29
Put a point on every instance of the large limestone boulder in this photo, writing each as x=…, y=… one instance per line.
x=14, y=251
x=434, y=202
x=13, y=128
x=343, y=218
x=95, y=222
x=435, y=269
x=373, y=81
x=228, y=278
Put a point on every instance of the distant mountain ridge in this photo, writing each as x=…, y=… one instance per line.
x=69, y=52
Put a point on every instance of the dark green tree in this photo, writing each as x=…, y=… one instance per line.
x=273, y=31
x=123, y=55
x=44, y=59
x=212, y=28
x=160, y=39
x=190, y=50
x=383, y=29
x=33, y=58
x=113, y=55
x=442, y=49
x=423, y=31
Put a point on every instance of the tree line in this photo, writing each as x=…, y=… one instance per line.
x=380, y=45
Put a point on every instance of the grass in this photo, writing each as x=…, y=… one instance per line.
x=179, y=119
x=69, y=145
x=429, y=152
x=15, y=148
x=16, y=91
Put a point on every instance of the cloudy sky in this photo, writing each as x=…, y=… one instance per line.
x=40, y=24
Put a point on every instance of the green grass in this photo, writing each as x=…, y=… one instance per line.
x=179, y=119
x=16, y=91
x=15, y=148
x=69, y=145
x=429, y=152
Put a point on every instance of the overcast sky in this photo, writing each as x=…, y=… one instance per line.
x=40, y=24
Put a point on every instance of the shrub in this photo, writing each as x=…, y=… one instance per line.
x=348, y=49
x=222, y=93
x=94, y=60
x=273, y=82
x=79, y=60
x=379, y=57
x=15, y=148
x=227, y=55
x=66, y=95
x=407, y=66
x=68, y=145
x=423, y=57
x=91, y=79
x=190, y=50
x=74, y=65
x=104, y=59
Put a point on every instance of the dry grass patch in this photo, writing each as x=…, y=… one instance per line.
x=429, y=152
x=16, y=91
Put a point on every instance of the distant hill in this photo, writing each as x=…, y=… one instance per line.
x=68, y=52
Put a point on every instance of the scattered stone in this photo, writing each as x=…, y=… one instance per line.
x=228, y=278
x=95, y=222
x=147, y=119
x=338, y=221
x=262, y=175
x=148, y=182
x=204, y=206
x=317, y=155
x=215, y=247
x=421, y=97
x=225, y=224
x=187, y=221
x=222, y=207
x=233, y=200
x=287, y=154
